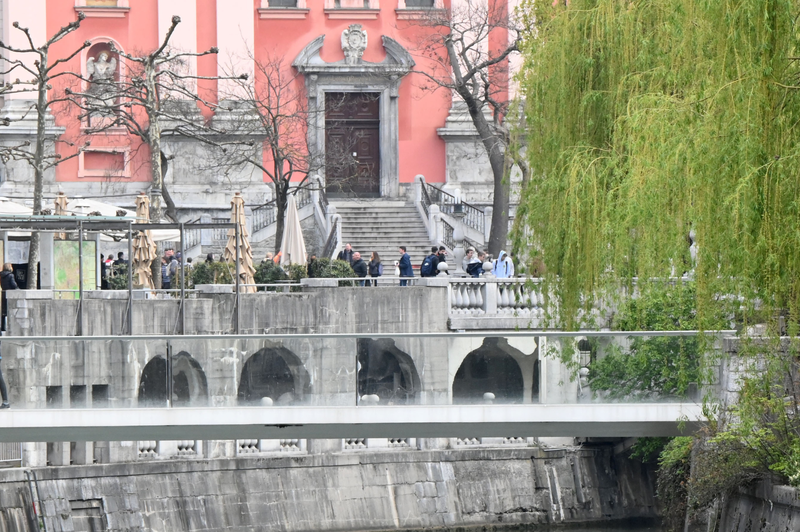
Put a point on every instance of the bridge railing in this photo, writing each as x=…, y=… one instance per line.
x=506, y=303
x=205, y=376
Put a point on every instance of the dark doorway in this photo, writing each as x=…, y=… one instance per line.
x=387, y=372
x=273, y=372
x=488, y=369
x=352, y=144
x=189, y=385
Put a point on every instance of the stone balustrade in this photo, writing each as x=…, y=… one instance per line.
x=495, y=303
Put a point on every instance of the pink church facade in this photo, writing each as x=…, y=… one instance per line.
x=306, y=34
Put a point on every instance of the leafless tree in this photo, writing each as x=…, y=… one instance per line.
x=38, y=79
x=267, y=128
x=156, y=95
x=464, y=46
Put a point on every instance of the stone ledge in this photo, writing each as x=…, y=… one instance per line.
x=284, y=13
x=29, y=294
x=103, y=12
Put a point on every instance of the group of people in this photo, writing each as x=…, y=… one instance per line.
x=502, y=267
x=172, y=268
x=107, y=265
x=374, y=268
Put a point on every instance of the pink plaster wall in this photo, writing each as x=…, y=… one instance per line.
x=421, y=112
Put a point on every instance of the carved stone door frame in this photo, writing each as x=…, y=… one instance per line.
x=362, y=76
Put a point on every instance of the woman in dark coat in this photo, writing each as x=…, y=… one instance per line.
x=7, y=282
x=375, y=268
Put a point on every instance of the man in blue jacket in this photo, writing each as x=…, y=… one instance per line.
x=405, y=266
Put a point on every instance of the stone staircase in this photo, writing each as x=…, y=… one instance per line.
x=383, y=226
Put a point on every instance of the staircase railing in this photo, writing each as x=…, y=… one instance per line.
x=473, y=216
x=264, y=215
x=449, y=241
x=332, y=243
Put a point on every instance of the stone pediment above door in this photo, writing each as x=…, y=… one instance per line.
x=397, y=59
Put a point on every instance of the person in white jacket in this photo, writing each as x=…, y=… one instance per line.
x=503, y=266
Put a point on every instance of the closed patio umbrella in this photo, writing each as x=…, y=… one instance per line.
x=246, y=269
x=293, y=247
x=144, y=249
x=60, y=204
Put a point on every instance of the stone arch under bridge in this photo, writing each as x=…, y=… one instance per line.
x=273, y=372
x=386, y=371
x=189, y=383
x=497, y=367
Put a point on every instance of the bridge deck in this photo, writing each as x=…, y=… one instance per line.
x=589, y=420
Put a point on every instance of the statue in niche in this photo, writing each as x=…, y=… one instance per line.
x=354, y=42
x=101, y=72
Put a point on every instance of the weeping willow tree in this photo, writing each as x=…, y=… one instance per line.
x=651, y=120
x=654, y=124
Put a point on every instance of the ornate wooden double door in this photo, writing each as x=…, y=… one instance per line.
x=352, y=144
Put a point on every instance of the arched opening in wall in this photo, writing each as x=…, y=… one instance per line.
x=276, y=373
x=386, y=371
x=189, y=385
x=102, y=67
x=489, y=369
x=153, y=385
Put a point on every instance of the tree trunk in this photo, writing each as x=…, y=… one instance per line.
x=280, y=205
x=38, y=171
x=496, y=150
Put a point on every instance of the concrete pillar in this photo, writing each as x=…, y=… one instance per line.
x=46, y=262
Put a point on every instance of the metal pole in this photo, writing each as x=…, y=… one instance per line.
x=238, y=235
x=130, y=280
x=169, y=374
x=183, y=284
x=80, y=279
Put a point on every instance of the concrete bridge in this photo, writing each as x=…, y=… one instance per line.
x=462, y=421
x=322, y=358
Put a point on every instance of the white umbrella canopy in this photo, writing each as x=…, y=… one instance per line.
x=86, y=207
x=246, y=269
x=144, y=249
x=293, y=246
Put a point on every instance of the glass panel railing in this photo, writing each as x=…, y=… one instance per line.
x=355, y=370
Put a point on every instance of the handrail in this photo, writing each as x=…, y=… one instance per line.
x=331, y=243
x=264, y=215
x=426, y=200
x=473, y=216
x=449, y=241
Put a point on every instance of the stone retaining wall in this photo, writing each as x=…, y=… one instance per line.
x=344, y=491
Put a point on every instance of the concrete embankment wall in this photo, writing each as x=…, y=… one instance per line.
x=763, y=507
x=345, y=491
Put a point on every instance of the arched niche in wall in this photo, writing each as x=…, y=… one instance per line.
x=492, y=368
x=101, y=65
x=353, y=74
x=189, y=384
x=386, y=371
x=273, y=372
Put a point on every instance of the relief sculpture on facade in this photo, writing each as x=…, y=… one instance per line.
x=354, y=42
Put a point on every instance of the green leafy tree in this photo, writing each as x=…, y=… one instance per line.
x=653, y=124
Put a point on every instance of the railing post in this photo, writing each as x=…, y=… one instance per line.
x=419, y=182
x=490, y=301
x=329, y=216
x=315, y=189
x=433, y=217
x=206, y=235
x=487, y=222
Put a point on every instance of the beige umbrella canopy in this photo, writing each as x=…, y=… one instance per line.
x=144, y=249
x=60, y=204
x=293, y=247
x=246, y=269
